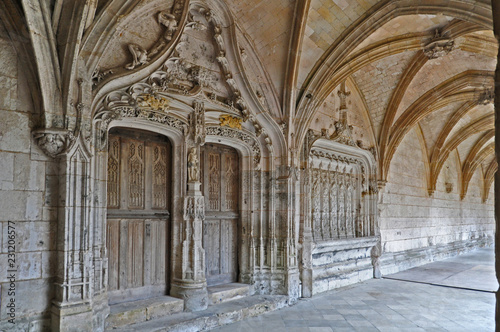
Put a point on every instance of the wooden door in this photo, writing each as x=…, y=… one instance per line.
x=138, y=194
x=220, y=186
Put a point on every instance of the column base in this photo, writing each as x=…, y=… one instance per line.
x=195, y=296
x=72, y=317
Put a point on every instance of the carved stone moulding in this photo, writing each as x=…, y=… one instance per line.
x=241, y=136
x=53, y=141
x=104, y=118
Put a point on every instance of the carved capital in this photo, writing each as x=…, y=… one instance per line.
x=53, y=142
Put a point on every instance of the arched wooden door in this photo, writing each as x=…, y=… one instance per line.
x=221, y=188
x=138, y=229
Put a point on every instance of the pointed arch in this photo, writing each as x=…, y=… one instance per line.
x=476, y=156
x=460, y=87
x=322, y=79
x=482, y=124
x=489, y=177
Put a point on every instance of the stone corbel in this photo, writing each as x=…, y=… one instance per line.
x=487, y=97
x=438, y=46
x=53, y=141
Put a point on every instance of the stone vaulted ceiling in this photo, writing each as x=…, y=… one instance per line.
x=417, y=66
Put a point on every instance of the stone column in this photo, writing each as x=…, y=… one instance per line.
x=72, y=307
x=496, y=28
x=192, y=286
x=306, y=238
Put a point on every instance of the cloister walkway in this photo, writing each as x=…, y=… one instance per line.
x=455, y=294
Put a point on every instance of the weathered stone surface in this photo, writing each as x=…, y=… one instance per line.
x=227, y=292
x=38, y=291
x=214, y=316
x=140, y=311
x=14, y=131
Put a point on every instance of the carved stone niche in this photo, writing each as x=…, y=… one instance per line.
x=53, y=141
x=342, y=212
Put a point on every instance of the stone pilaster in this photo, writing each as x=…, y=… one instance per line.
x=192, y=286
x=72, y=307
x=306, y=238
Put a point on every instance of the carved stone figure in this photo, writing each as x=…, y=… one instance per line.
x=193, y=166
x=230, y=121
x=169, y=21
x=197, y=121
x=53, y=141
x=439, y=46
x=139, y=56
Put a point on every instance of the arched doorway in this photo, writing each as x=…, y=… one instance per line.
x=221, y=188
x=138, y=202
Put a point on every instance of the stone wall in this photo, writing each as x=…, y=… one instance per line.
x=416, y=228
x=28, y=181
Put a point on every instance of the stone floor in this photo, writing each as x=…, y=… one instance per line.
x=450, y=295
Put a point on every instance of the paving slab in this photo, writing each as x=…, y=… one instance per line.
x=473, y=270
x=397, y=305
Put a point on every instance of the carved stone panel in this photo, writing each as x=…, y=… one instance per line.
x=336, y=198
x=135, y=174
x=114, y=173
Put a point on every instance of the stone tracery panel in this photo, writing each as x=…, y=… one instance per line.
x=336, y=197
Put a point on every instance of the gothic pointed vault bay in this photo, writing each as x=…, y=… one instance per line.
x=234, y=156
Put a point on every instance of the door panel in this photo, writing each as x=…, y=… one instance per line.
x=138, y=222
x=220, y=175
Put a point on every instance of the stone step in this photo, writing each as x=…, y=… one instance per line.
x=144, y=310
x=227, y=292
x=215, y=316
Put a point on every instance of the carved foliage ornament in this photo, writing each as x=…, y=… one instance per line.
x=141, y=56
x=105, y=117
x=231, y=133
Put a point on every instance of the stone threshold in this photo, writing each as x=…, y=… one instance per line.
x=143, y=310
x=215, y=316
x=227, y=292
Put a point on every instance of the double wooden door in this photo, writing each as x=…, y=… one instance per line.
x=138, y=197
x=220, y=186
